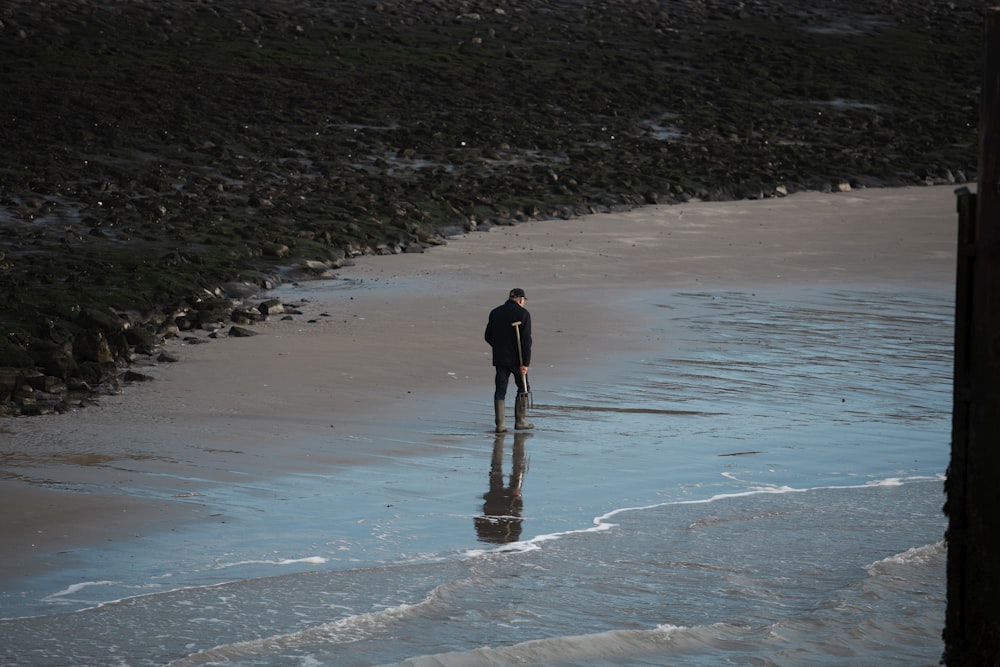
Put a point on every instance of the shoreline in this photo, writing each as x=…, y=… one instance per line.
x=394, y=336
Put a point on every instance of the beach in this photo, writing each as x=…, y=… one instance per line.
x=385, y=369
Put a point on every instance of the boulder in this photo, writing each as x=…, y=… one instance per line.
x=240, y=332
x=271, y=307
x=92, y=345
x=10, y=379
x=60, y=364
x=140, y=338
x=45, y=383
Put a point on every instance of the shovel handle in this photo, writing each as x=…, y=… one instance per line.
x=517, y=334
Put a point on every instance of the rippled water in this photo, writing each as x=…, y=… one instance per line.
x=768, y=493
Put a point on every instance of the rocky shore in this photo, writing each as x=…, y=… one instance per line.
x=167, y=162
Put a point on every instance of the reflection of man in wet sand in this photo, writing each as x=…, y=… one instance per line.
x=501, y=520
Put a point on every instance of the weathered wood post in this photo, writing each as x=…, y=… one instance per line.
x=972, y=619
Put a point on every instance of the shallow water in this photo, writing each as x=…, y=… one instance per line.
x=768, y=494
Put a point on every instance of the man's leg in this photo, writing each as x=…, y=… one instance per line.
x=501, y=381
x=500, y=397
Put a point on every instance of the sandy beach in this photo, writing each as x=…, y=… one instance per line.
x=400, y=340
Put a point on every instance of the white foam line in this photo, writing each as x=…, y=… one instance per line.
x=601, y=523
x=313, y=560
x=73, y=588
x=127, y=598
x=758, y=490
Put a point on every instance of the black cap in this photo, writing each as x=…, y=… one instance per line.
x=517, y=293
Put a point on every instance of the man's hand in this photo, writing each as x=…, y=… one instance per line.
x=524, y=370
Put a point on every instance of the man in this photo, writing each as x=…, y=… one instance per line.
x=509, y=334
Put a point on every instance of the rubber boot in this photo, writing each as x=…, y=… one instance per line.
x=520, y=410
x=498, y=409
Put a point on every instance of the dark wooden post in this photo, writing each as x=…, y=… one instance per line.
x=972, y=620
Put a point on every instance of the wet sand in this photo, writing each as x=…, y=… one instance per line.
x=398, y=335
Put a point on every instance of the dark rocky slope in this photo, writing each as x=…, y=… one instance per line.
x=157, y=154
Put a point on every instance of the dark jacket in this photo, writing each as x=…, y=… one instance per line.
x=502, y=337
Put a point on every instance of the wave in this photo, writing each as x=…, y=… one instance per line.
x=745, y=583
x=349, y=629
x=927, y=554
x=603, y=522
x=613, y=646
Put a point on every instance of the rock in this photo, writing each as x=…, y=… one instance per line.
x=14, y=355
x=10, y=379
x=246, y=316
x=77, y=385
x=107, y=322
x=143, y=340
x=93, y=346
x=271, y=307
x=24, y=395
x=315, y=267
x=96, y=373
x=234, y=290
x=276, y=250
x=46, y=383
x=168, y=330
x=240, y=332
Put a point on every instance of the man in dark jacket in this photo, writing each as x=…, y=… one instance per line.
x=509, y=334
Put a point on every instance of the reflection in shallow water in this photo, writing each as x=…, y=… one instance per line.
x=501, y=520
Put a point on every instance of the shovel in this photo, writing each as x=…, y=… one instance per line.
x=526, y=392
